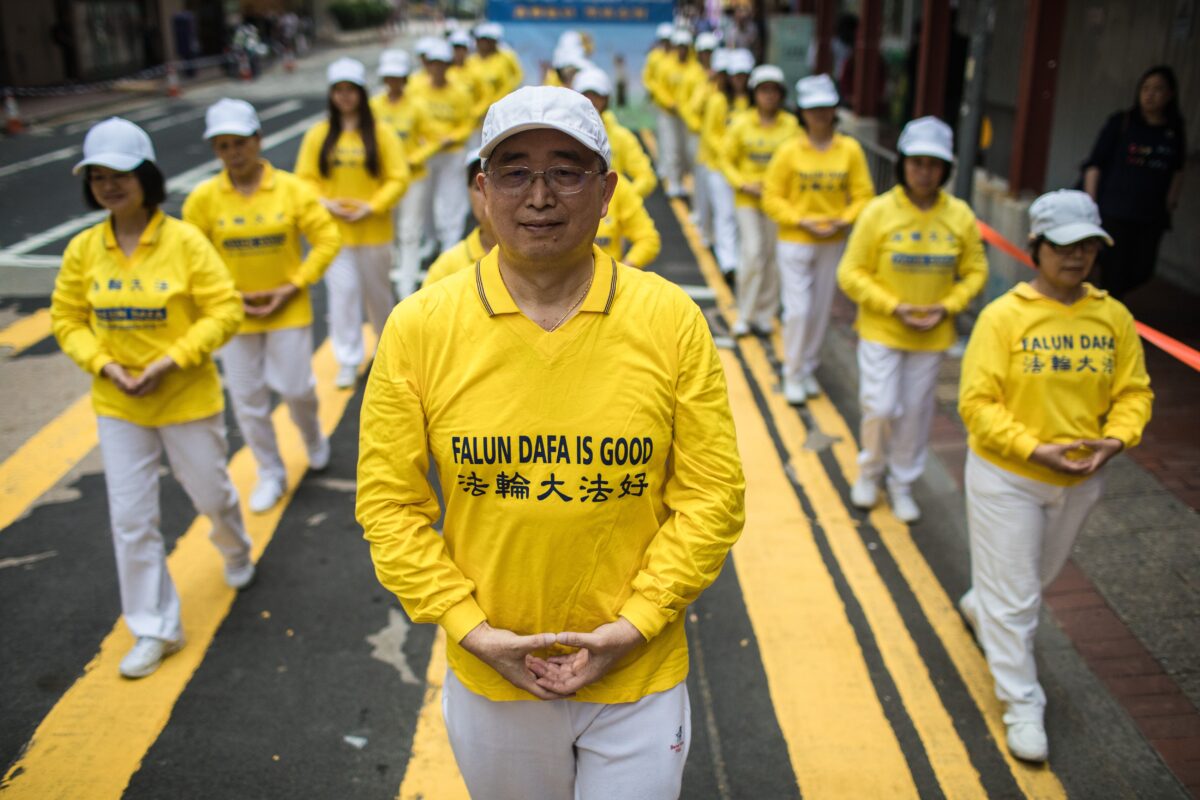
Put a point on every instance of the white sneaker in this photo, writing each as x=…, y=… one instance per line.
x=266, y=494
x=147, y=654
x=904, y=507
x=864, y=493
x=811, y=387
x=347, y=376
x=318, y=457
x=239, y=577
x=1027, y=741
x=794, y=392
x=740, y=328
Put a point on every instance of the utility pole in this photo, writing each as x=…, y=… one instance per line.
x=971, y=113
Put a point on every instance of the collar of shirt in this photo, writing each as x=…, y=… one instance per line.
x=1025, y=291
x=902, y=200
x=149, y=235
x=496, y=300
x=266, y=184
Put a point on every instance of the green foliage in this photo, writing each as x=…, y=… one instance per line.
x=353, y=15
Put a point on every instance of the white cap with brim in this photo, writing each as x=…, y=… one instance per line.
x=741, y=62
x=230, y=117
x=720, y=60
x=346, y=70
x=489, y=30
x=1066, y=216
x=545, y=107
x=439, y=51
x=663, y=31
x=927, y=136
x=117, y=144
x=816, y=91
x=593, y=80
x=459, y=39
x=394, y=64
x=707, y=41
x=681, y=38
x=422, y=45
x=568, y=57
x=767, y=73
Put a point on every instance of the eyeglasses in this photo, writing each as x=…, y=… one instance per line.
x=560, y=180
x=1086, y=246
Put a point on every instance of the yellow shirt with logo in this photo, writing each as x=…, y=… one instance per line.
x=1040, y=372
x=349, y=179
x=627, y=232
x=459, y=257
x=747, y=149
x=629, y=158
x=715, y=123
x=898, y=253
x=407, y=118
x=172, y=297
x=571, y=498
x=803, y=183
x=501, y=72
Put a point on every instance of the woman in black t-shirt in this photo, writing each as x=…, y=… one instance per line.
x=1135, y=175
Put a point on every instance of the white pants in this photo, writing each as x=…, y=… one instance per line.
x=196, y=451
x=668, y=147
x=410, y=222
x=807, y=277
x=724, y=221
x=701, y=209
x=758, y=274
x=1021, y=534
x=257, y=364
x=357, y=275
x=896, y=395
x=561, y=749
x=448, y=184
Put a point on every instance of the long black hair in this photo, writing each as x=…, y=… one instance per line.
x=1172, y=112
x=366, y=127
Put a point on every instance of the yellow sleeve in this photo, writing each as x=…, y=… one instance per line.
x=705, y=490
x=648, y=78
x=394, y=168
x=428, y=142
x=515, y=74
x=635, y=163
x=395, y=505
x=775, y=202
x=198, y=210
x=638, y=227
x=1132, y=396
x=862, y=188
x=972, y=269
x=71, y=313
x=730, y=154
x=217, y=301
x=324, y=237
x=308, y=164
x=859, y=265
x=466, y=124
x=686, y=102
x=981, y=392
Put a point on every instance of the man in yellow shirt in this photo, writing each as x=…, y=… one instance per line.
x=499, y=65
x=584, y=511
x=629, y=159
x=452, y=118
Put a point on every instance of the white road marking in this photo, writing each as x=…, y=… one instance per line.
x=389, y=645
x=21, y=561
x=336, y=484
x=174, y=119
x=699, y=292
x=37, y=262
x=37, y=161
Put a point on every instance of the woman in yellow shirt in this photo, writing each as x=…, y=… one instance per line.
x=1054, y=384
x=452, y=118
x=914, y=260
x=747, y=149
x=815, y=186
x=255, y=215
x=358, y=167
x=732, y=97
x=141, y=302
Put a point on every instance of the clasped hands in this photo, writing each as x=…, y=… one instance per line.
x=556, y=677
x=349, y=209
x=267, y=302
x=920, y=318
x=1057, y=456
x=823, y=227
x=143, y=384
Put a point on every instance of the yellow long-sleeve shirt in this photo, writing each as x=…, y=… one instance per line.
x=461, y=256
x=258, y=238
x=716, y=119
x=349, y=179
x=803, y=183
x=628, y=224
x=898, y=253
x=407, y=117
x=571, y=498
x=691, y=93
x=747, y=149
x=1040, y=372
x=669, y=75
x=476, y=84
x=172, y=297
x=501, y=71
x=629, y=158
x=451, y=113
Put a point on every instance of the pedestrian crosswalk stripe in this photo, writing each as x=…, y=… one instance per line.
x=26, y=332
x=432, y=771
x=94, y=739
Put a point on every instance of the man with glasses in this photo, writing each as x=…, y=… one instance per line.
x=576, y=411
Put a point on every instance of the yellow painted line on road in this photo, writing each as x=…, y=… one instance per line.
x=947, y=755
x=94, y=739
x=26, y=332
x=432, y=773
x=45, y=458
x=839, y=739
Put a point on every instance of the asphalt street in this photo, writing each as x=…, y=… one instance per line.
x=827, y=661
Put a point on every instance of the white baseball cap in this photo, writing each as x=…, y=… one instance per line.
x=394, y=64
x=117, y=144
x=1065, y=217
x=489, y=30
x=459, y=38
x=927, y=136
x=816, y=91
x=422, y=45
x=538, y=107
x=663, y=31
x=349, y=70
x=569, y=56
x=707, y=41
x=720, y=60
x=593, y=80
x=233, y=117
x=439, y=51
x=767, y=73
x=741, y=62
x=681, y=38
x=570, y=39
